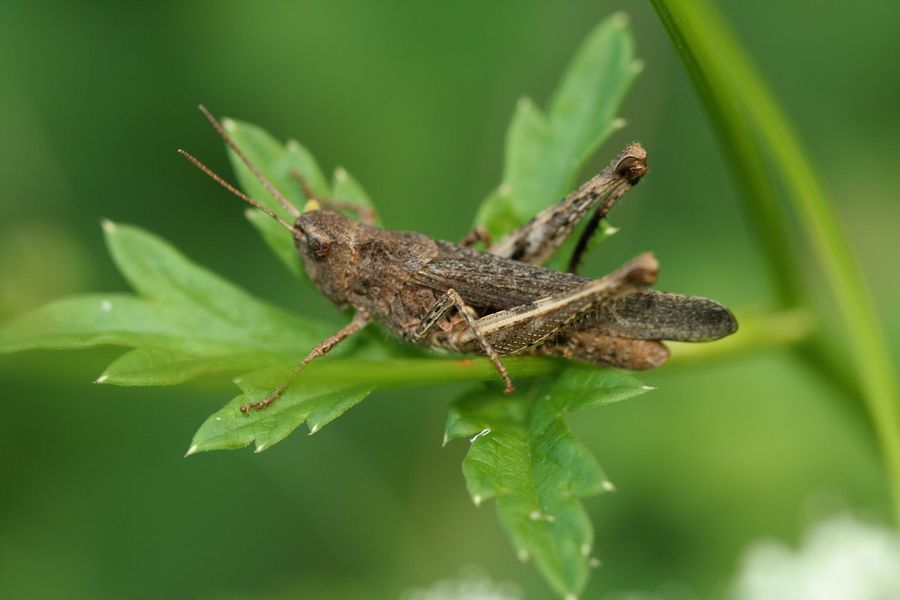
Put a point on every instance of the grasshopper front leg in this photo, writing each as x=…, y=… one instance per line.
x=359, y=321
x=538, y=239
x=452, y=300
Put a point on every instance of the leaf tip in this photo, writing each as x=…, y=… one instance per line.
x=340, y=174
x=585, y=550
x=477, y=499
x=108, y=226
x=102, y=379
x=229, y=124
x=594, y=562
x=619, y=19
x=260, y=448
x=523, y=555
x=637, y=66
x=608, y=486
x=537, y=515
x=524, y=103
x=648, y=388
x=619, y=123
x=571, y=597
x=192, y=450
x=313, y=429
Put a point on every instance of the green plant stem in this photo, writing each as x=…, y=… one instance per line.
x=745, y=161
x=757, y=332
x=737, y=100
x=761, y=331
x=402, y=372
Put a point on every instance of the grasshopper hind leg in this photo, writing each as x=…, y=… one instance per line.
x=605, y=350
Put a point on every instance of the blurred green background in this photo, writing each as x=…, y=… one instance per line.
x=96, y=500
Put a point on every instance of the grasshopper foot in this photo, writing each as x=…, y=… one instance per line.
x=265, y=402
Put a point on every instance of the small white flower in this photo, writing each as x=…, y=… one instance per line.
x=471, y=584
x=840, y=559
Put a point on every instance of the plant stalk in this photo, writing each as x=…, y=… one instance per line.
x=751, y=125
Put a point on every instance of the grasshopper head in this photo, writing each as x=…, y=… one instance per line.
x=323, y=239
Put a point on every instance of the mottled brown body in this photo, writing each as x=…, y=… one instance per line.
x=397, y=277
x=502, y=301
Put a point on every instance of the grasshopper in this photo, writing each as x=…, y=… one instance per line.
x=451, y=297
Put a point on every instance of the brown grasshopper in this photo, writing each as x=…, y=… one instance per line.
x=500, y=302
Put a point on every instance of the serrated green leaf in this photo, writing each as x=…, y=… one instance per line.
x=545, y=151
x=524, y=455
x=188, y=321
x=576, y=388
x=304, y=401
x=278, y=162
x=163, y=275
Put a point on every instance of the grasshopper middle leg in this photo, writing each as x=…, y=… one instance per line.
x=450, y=300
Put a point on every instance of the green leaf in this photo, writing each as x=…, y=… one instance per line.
x=187, y=321
x=274, y=236
x=497, y=213
x=545, y=152
x=150, y=366
x=228, y=314
x=524, y=455
x=304, y=401
x=276, y=162
x=346, y=189
x=97, y=319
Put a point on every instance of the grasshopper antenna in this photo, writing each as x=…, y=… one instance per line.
x=215, y=177
x=256, y=172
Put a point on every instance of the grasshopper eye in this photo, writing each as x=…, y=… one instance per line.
x=317, y=244
x=632, y=168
